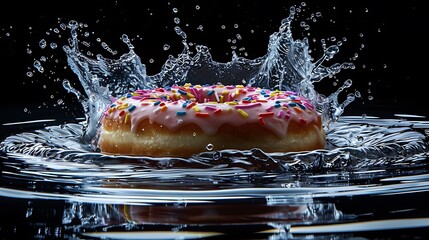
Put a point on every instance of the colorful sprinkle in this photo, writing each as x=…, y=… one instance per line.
x=261, y=121
x=202, y=114
x=250, y=105
x=130, y=109
x=266, y=114
x=243, y=113
x=210, y=92
x=127, y=118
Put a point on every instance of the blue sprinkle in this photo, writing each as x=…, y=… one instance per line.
x=210, y=92
x=130, y=109
x=277, y=105
x=157, y=103
x=180, y=113
x=184, y=104
x=182, y=92
x=292, y=104
x=301, y=106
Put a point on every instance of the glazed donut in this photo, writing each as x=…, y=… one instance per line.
x=190, y=119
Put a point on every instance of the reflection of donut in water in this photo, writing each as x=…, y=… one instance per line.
x=214, y=213
x=185, y=120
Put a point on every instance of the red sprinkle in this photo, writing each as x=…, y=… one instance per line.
x=202, y=114
x=190, y=105
x=261, y=121
x=266, y=114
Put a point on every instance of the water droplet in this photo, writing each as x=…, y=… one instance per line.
x=370, y=97
x=53, y=45
x=175, y=10
x=217, y=155
x=38, y=66
x=176, y=20
x=151, y=60
x=236, y=25
x=348, y=83
x=197, y=7
x=166, y=47
x=42, y=43
x=25, y=110
x=209, y=147
x=194, y=134
x=223, y=26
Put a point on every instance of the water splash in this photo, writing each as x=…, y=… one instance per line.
x=287, y=65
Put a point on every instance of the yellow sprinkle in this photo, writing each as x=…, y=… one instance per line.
x=124, y=106
x=221, y=98
x=135, y=94
x=197, y=86
x=232, y=103
x=229, y=109
x=220, y=86
x=243, y=113
x=211, y=102
x=237, y=92
x=123, y=98
x=239, y=86
x=173, y=90
x=187, y=85
x=127, y=117
x=196, y=109
x=190, y=95
x=163, y=108
x=225, y=92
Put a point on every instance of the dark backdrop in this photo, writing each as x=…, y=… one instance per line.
x=387, y=36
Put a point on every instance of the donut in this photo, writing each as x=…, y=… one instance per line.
x=183, y=120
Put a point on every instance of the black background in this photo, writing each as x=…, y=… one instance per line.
x=391, y=65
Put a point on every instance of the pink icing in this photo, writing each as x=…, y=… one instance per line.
x=210, y=107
